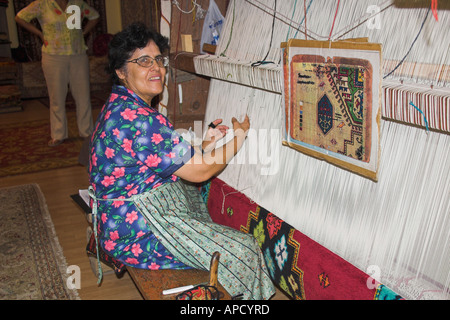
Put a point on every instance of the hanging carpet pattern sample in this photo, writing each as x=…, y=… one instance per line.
x=341, y=106
x=332, y=102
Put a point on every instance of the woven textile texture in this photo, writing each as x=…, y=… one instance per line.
x=33, y=263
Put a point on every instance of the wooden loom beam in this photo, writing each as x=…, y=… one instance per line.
x=184, y=61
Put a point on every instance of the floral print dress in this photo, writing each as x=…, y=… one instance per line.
x=133, y=149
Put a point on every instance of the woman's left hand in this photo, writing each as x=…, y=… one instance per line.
x=214, y=134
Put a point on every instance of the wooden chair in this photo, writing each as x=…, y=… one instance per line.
x=152, y=283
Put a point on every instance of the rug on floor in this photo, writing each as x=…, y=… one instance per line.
x=33, y=266
x=25, y=147
x=97, y=100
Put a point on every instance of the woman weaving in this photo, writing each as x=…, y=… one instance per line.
x=146, y=216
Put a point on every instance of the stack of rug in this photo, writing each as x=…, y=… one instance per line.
x=33, y=266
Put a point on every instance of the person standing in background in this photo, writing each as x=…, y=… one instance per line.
x=64, y=60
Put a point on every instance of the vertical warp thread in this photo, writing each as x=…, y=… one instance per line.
x=334, y=20
x=410, y=48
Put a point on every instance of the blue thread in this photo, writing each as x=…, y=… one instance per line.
x=425, y=118
x=293, y=12
x=307, y=10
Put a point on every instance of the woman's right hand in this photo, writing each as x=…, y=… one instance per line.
x=204, y=166
x=243, y=126
x=45, y=42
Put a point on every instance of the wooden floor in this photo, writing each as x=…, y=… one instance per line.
x=69, y=220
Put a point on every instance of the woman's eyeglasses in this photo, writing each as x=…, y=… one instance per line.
x=147, y=62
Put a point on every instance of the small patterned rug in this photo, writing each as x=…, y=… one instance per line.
x=25, y=147
x=33, y=266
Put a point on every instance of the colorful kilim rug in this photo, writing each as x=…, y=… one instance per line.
x=25, y=147
x=33, y=266
x=300, y=266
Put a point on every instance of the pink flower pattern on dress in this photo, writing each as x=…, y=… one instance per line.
x=153, y=160
x=157, y=138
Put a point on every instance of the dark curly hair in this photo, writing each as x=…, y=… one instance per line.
x=122, y=46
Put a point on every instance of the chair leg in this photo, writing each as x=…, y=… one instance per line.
x=214, y=269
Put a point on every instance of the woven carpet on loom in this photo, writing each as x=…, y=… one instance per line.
x=33, y=266
x=304, y=269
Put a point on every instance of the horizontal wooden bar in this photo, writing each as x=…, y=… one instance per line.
x=183, y=61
